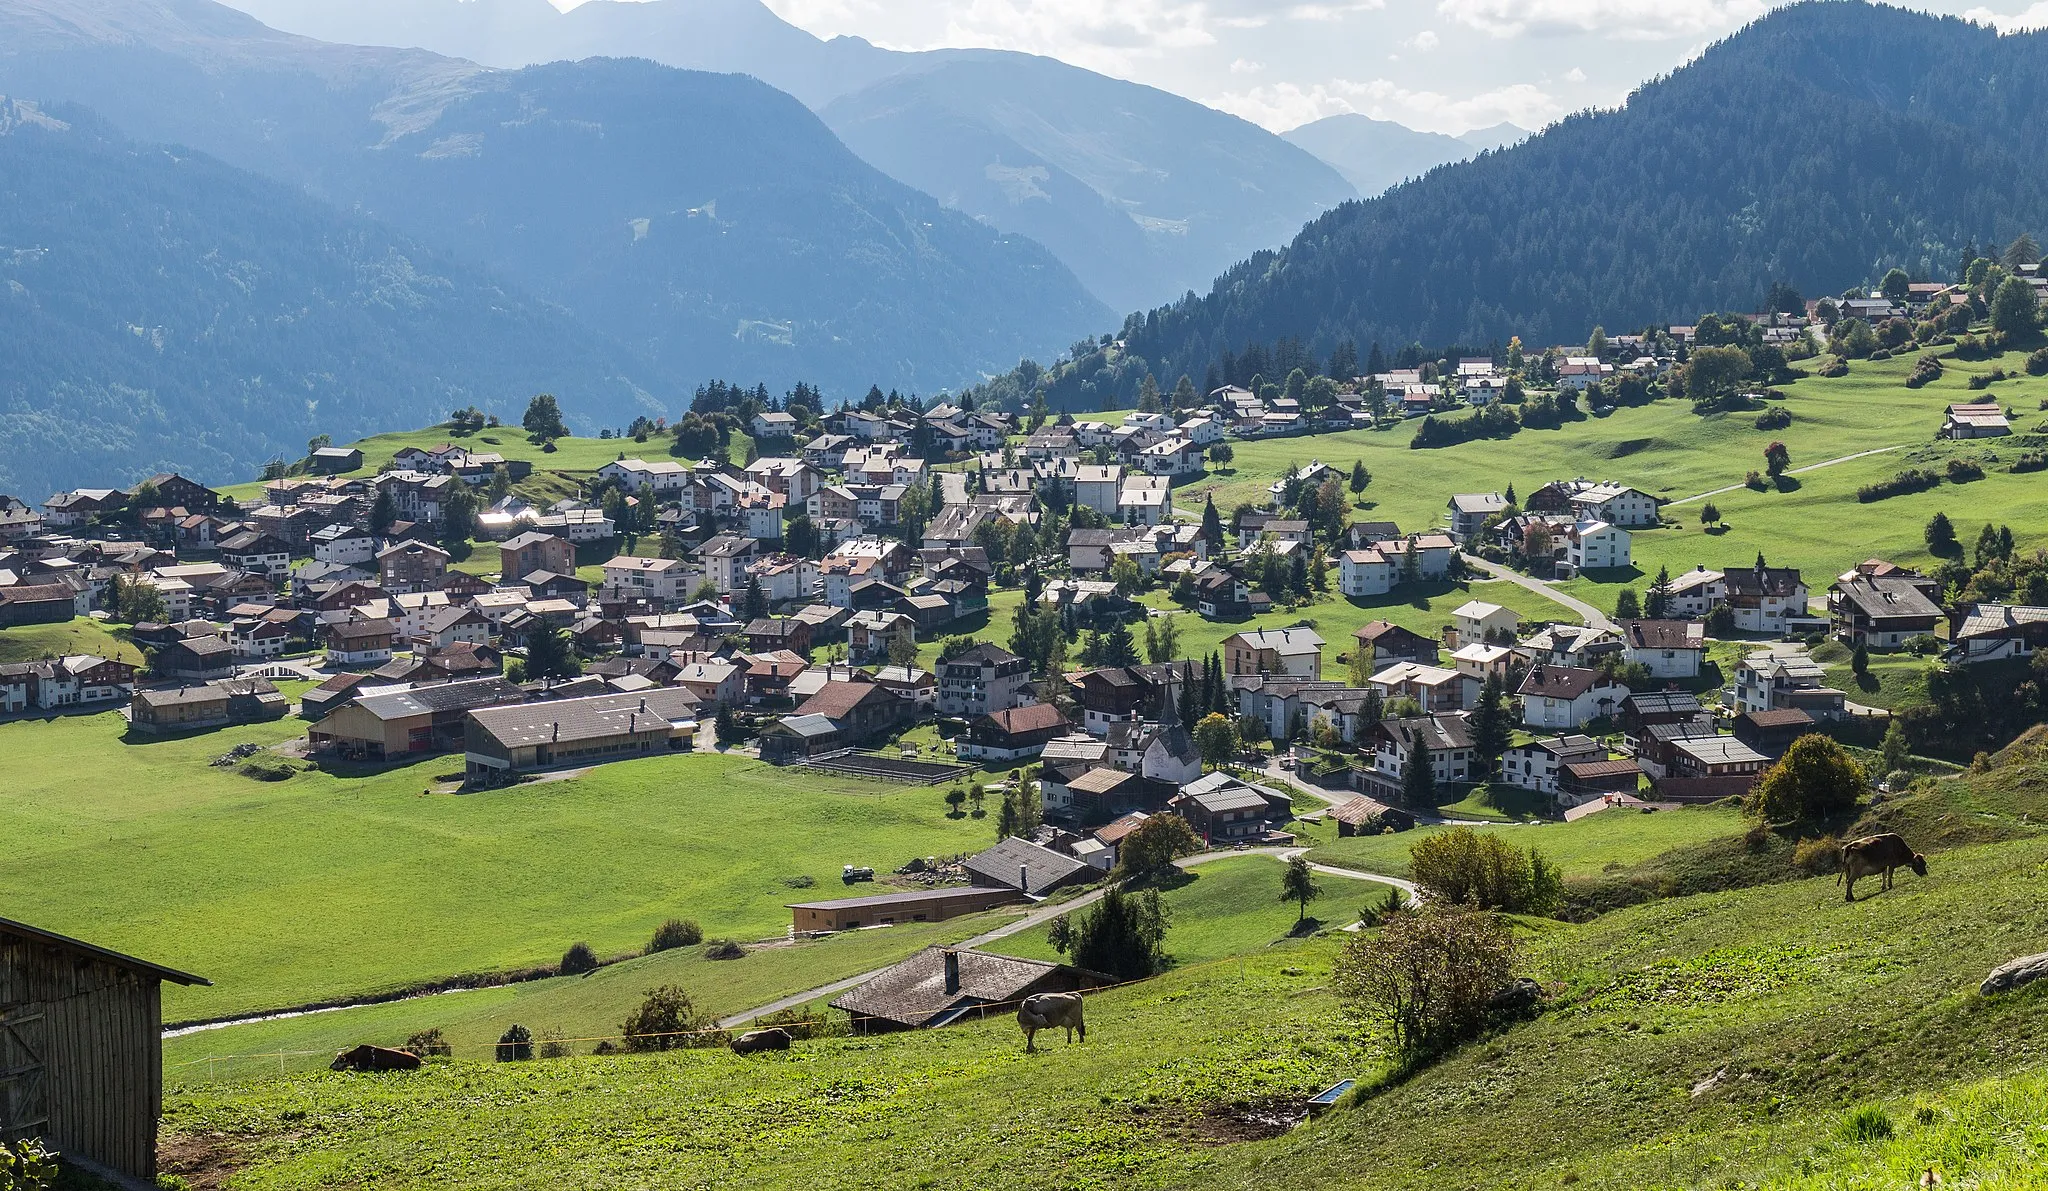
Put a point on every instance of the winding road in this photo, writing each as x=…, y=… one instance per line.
x=1797, y=471
x=1041, y=914
x=1593, y=617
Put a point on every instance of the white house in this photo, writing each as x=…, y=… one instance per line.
x=1477, y=620
x=344, y=545
x=1174, y=457
x=1145, y=500
x=1568, y=698
x=1099, y=486
x=1433, y=552
x=1594, y=545
x=661, y=580
x=1536, y=765
x=1697, y=592
x=773, y=424
x=1668, y=648
x=1362, y=574
x=1433, y=688
x=1616, y=504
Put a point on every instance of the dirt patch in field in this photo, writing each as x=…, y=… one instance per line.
x=205, y=1161
x=1231, y=1122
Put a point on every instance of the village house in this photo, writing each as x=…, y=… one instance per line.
x=416, y=721
x=943, y=985
x=1785, y=676
x=1977, y=420
x=411, y=566
x=1479, y=621
x=1568, y=698
x=1433, y=553
x=1015, y=734
x=1766, y=599
x=1296, y=652
x=344, y=545
x=1667, y=648
x=1883, y=612
x=1983, y=633
x=532, y=551
x=56, y=684
x=1446, y=739
x=889, y=909
x=1470, y=511
x=1697, y=592
x=1117, y=693
x=1390, y=643
x=1772, y=732
x=1539, y=764
x=1592, y=545
x=256, y=639
x=658, y=582
x=1363, y=574
x=359, y=643
x=502, y=742
x=1708, y=768
x=983, y=681
x=195, y=659
x=1433, y=688
x=1226, y=812
x=207, y=705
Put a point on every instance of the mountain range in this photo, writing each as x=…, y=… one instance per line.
x=701, y=225
x=1820, y=146
x=1374, y=155
x=1143, y=194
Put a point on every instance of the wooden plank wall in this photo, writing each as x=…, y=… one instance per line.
x=101, y=1083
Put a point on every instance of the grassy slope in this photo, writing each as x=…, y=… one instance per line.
x=1589, y=847
x=1820, y=1005
x=1228, y=908
x=33, y=642
x=569, y=1007
x=323, y=887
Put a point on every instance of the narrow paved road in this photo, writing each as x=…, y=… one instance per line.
x=1797, y=471
x=1039, y=915
x=1587, y=612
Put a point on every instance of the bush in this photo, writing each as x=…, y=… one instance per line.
x=1962, y=471
x=1755, y=480
x=1881, y=354
x=1428, y=977
x=552, y=1046
x=1985, y=380
x=428, y=1042
x=2031, y=460
x=269, y=767
x=724, y=949
x=578, y=960
x=1463, y=867
x=1493, y=421
x=1926, y=368
x=1815, y=779
x=1775, y=418
x=1816, y=856
x=1868, y=1122
x=1913, y=479
x=676, y=932
x=662, y=1022
x=1124, y=935
x=1834, y=368
x=800, y=881
x=2037, y=362
x=515, y=1045
x=26, y=1166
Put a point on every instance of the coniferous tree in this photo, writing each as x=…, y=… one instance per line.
x=1657, y=604
x=1418, y=781
x=550, y=655
x=755, y=606
x=1492, y=728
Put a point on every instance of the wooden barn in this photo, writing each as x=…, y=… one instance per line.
x=81, y=1058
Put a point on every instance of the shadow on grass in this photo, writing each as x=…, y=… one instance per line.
x=1788, y=483
x=1867, y=683
x=1715, y=531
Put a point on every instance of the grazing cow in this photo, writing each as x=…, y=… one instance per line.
x=375, y=1058
x=1875, y=854
x=759, y=1040
x=1048, y=1011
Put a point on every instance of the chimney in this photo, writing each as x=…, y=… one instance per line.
x=952, y=971
x=1024, y=878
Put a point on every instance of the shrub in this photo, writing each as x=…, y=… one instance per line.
x=269, y=767
x=1463, y=867
x=2037, y=362
x=1816, y=856
x=1155, y=844
x=1124, y=934
x=1493, y=421
x=676, y=932
x=515, y=1045
x=2032, y=460
x=1834, y=368
x=1867, y=1122
x=1913, y=479
x=1880, y=354
x=1756, y=480
x=724, y=949
x=428, y=1042
x=662, y=1022
x=1775, y=418
x=577, y=960
x=1926, y=368
x=1428, y=977
x=552, y=1046
x=800, y=881
x=1962, y=471
x=1815, y=779
x=26, y=1166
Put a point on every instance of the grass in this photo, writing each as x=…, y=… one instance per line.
x=1719, y=1040
x=570, y=1007
x=1589, y=847
x=325, y=887
x=29, y=643
x=1229, y=908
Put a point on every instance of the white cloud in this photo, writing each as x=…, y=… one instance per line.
x=1246, y=66
x=1333, y=12
x=1423, y=42
x=1288, y=105
x=1621, y=19
x=1574, y=75
x=2033, y=18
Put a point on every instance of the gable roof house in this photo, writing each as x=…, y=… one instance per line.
x=943, y=985
x=1977, y=420
x=1014, y=734
x=1993, y=632
x=1785, y=676
x=1026, y=867
x=1448, y=739
x=412, y=722
x=1668, y=648
x=1766, y=599
x=1883, y=612
x=1568, y=697
x=1297, y=652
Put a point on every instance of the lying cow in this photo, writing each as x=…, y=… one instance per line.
x=375, y=1058
x=1048, y=1011
x=1875, y=854
x=756, y=1041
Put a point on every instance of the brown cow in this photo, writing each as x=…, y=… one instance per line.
x=760, y=1040
x=375, y=1058
x=1049, y=1011
x=1875, y=854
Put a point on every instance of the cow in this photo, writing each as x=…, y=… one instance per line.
x=375, y=1058
x=756, y=1041
x=1047, y=1011
x=1875, y=854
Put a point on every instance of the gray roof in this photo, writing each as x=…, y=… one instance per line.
x=446, y=696
x=1719, y=750
x=914, y=991
x=591, y=718
x=1043, y=868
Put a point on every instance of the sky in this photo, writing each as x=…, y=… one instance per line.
x=1438, y=65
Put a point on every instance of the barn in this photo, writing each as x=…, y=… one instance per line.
x=81, y=1059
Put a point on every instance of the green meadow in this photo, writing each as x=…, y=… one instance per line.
x=327, y=887
x=1587, y=847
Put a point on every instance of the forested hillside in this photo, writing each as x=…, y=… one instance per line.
x=709, y=221
x=162, y=310
x=1820, y=146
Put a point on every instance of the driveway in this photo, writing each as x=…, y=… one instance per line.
x=1592, y=616
x=1046, y=912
